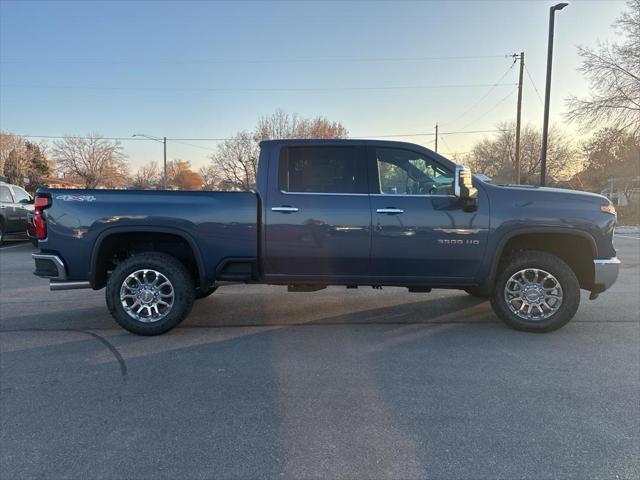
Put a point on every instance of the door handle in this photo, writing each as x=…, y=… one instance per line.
x=390, y=210
x=284, y=209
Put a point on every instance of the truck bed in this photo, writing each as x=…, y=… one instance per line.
x=220, y=224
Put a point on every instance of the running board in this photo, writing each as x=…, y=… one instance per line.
x=67, y=285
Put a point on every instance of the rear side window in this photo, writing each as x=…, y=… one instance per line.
x=20, y=194
x=323, y=170
x=5, y=195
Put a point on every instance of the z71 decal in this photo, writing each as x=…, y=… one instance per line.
x=76, y=198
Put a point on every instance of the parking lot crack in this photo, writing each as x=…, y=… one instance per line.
x=112, y=348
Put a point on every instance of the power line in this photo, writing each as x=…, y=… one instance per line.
x=445, y=142
x=496, y=105
x=533, y=83
x=250, y=89
x=56, y=137
x=192, y=145
x=249, y=61
x=220, y=139
x=475, y=104
x=429, y=134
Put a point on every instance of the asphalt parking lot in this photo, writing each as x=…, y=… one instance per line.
x=335, y=384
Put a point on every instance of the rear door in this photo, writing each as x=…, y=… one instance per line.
x=420, y=230
x=8, y=209
x=318, y=220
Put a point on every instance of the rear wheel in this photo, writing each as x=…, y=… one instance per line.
x=150, y=293
x=536, y=292
x=1, y=233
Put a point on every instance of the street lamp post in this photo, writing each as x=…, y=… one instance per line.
x=547, y=93
x=162, y=140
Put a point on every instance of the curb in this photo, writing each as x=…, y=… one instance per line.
x=629, y=229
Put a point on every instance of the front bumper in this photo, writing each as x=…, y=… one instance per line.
x=605, y=273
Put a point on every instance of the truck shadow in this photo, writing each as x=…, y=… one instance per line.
x=338, y=310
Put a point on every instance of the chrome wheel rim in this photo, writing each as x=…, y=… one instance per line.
x=147, y=295
x=533, y=294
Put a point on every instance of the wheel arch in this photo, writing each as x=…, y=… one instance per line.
x=97, y=281
x=552, y=233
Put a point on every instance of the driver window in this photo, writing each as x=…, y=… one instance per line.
x=403, y=172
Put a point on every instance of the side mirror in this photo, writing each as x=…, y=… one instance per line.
x=27, y=201
x=464, y=189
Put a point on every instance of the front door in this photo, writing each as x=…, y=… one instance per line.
x=318, y=220
x=419, y=227
x=22, y=205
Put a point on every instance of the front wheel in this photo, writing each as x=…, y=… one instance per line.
x=536, y=292
x=150, y=293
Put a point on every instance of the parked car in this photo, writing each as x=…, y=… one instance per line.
x=15, y=206
x=332, y=212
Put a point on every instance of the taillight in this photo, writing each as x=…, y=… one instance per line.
x=39, y=222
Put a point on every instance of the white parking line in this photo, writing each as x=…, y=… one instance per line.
x=627, y=236
x=15, y=246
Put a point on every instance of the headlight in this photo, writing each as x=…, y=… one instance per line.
x=609, y=208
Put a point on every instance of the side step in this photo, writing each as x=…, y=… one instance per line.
x=54, y=286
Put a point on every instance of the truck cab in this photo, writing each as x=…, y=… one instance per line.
x=349, y=211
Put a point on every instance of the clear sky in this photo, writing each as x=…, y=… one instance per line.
x=209, y=69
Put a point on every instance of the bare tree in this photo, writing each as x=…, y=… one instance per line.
x=8, y=143
x=495, y=156
x=92, y=159
x=24, y=163
x=236, y=160
x=613, y=72
x=211, y=177
x=147, y=177
x=609, y=153
x=283, y=125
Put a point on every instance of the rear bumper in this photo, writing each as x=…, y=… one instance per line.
x=49, y=266
x=52, y=267
x=605, y=273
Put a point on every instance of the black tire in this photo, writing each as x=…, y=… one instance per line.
x=2, y=233
x=476, y=292
x=173, y=270
x=551, y=264
x=204, y=293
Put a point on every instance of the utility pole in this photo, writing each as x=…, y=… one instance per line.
x=518, y=118
x=437, y=138
x=164, y=141
x=547, y=93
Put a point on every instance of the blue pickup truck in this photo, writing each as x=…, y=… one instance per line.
x=332, y=212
